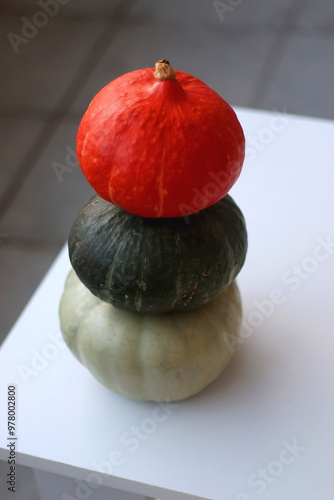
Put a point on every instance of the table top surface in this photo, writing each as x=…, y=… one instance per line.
x=265, y=426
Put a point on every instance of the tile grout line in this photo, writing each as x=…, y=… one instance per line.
x=59, y=113
x=275, y=53
x=38, y=113
x=30, y=243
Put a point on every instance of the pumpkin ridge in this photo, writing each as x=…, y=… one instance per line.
x=178, y=282
x=173, y=116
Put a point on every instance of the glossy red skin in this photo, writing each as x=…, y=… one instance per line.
x=160, y=148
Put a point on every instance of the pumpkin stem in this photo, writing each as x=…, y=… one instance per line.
x=164, y=71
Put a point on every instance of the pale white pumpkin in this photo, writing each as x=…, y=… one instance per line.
x=155, y=357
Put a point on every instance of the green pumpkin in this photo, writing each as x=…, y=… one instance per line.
x=157, y=265
x=153, y=357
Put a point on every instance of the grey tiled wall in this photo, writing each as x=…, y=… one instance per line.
x=265, y=54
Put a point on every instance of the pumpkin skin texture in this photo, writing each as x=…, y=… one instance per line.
x=157, y=265
x=163, y=357
x=160, y=147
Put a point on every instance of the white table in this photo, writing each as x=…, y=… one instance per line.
x=264, y=429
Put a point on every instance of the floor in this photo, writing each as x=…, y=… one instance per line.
x=57, y=54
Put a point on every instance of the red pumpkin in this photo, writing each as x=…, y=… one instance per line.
x=160, y=143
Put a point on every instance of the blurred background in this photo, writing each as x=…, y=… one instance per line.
x=57, y=54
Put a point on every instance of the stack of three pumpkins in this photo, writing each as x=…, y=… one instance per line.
x=151, y=306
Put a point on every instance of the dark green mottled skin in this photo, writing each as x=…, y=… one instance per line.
x=157, y=265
